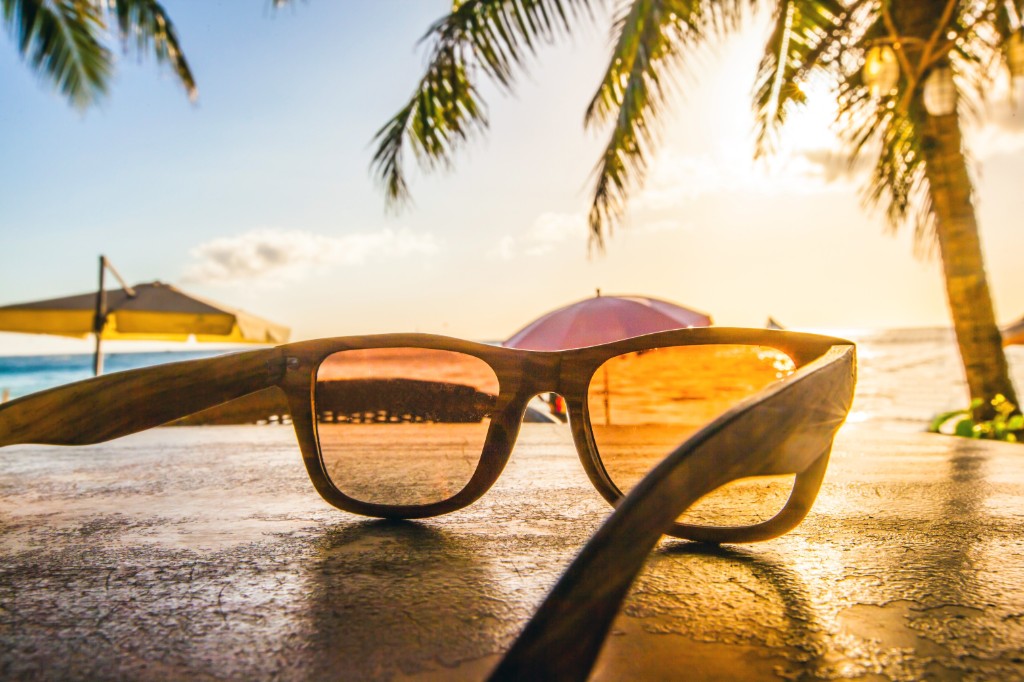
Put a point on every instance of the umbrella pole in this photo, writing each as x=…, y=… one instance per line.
x=100, y=320
x=607, y=402
x=97, y=358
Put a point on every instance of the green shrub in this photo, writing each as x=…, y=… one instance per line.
x=1007, y=425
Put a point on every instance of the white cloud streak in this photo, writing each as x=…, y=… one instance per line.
x=678, y=179
x=268, y=255
x=548, y=231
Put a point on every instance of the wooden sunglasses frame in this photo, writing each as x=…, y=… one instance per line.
x=114, y=405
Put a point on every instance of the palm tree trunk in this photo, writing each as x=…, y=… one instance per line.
x=970, y=301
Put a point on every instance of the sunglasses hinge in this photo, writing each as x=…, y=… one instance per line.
x=278, y=367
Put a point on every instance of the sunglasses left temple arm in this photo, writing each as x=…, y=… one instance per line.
x=114, y=405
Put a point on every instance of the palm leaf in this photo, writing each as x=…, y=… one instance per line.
x=633, y=91
x=145, y=24
x=806, y=35
x=972, y=44
x=60, y=40
x=642, y=74
x=445, y=109
x=898, y=182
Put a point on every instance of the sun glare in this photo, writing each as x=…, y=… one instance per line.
x=809, y=126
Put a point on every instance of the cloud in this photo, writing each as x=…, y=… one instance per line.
x=676, y=179
x=270, y=254
x=666, y=225
x=547, y=232
x=834, y=168
x=505, y=250
x=551, y=229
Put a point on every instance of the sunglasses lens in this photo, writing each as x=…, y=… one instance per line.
x=402, y=426
x=643, y=405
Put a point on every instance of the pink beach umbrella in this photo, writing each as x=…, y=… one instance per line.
x=602, y=319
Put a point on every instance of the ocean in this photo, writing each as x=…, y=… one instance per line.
x=24, y=374
x=905, y=376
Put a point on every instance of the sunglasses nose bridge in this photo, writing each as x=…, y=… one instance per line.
x=541, y=374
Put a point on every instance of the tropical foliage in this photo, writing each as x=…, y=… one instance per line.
x=1006, y=425
x=65, y=41
x=920, y=175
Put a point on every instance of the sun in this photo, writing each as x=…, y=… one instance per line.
x=809, y=126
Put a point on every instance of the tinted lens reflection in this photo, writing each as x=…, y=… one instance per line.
x=403, y=426
x=643, y=405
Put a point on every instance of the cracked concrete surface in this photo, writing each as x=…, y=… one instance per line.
x=204, y=553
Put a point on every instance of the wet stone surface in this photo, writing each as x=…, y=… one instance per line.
x=204, y=553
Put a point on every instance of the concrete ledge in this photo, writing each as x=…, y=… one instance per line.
x=205, y=553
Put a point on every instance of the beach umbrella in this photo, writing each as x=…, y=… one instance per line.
x=1014, y=334
x=152, y=311
x=602, y=319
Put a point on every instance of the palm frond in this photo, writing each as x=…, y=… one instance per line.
x=633, y=91
x=807, y=35
x=145, y=24
x=972, y=44
x=642, y=74
x=1008, y=17
x=899, y=181
x=878, y=125
x=978, y=52
x=60, y=39
x=490, y=36
x=444, y=112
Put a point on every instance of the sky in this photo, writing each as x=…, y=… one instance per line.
x=260, y=194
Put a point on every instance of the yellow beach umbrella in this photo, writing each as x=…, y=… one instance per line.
x=153, y=311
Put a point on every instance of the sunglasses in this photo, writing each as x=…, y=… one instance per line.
x=710, y=434
x=413, y=425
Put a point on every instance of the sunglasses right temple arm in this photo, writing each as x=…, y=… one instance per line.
x=565, y=635
x=114, y=405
